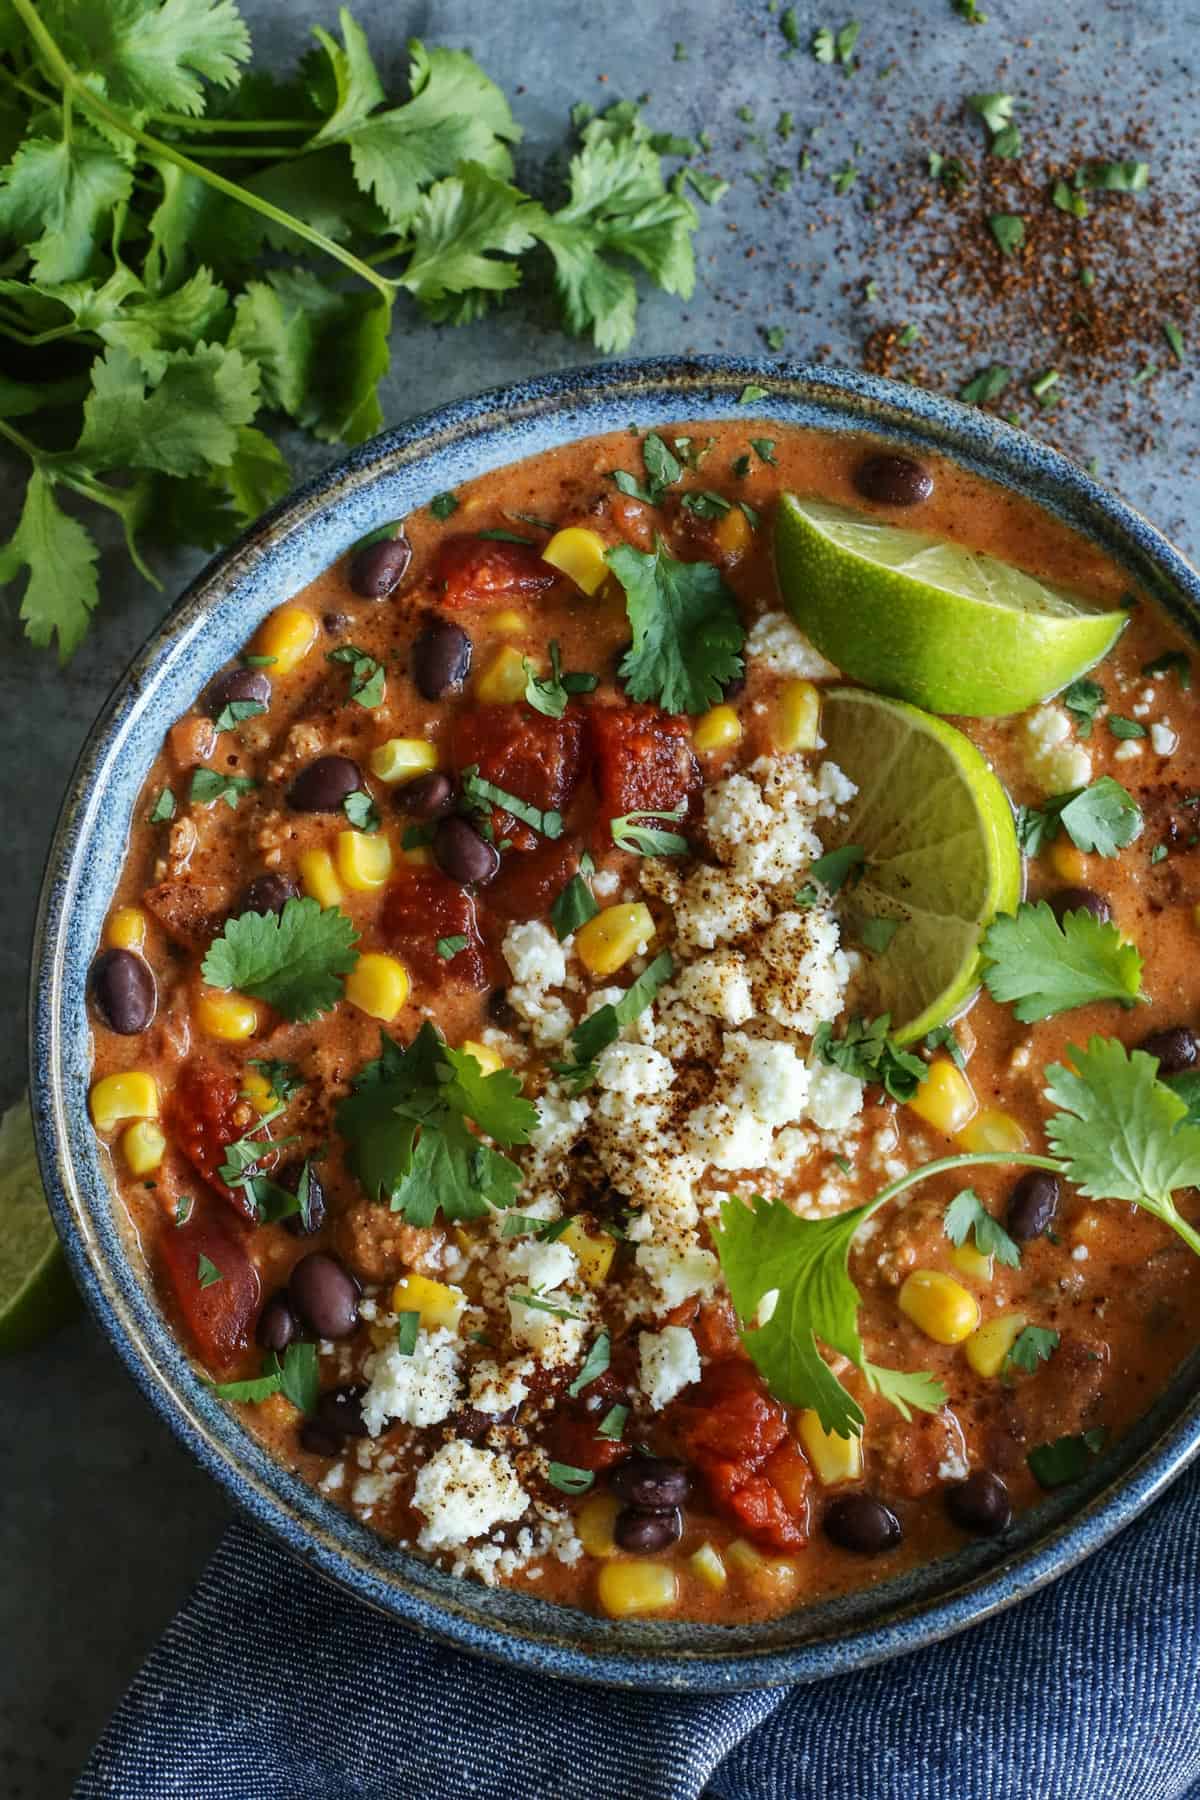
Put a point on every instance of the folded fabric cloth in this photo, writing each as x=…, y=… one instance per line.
x=271, y=1683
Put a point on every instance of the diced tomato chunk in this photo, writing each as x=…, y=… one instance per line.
x=717, y=1329
x=573, y=1438
x=532, y=757
x=527, y=886
x=422, y=906
x=737, y=1436
x=789, y=1474
x=731, y=1416
x=199, y=1114
x=643, y=761
x=757, y=1505
x=476, y=569
x=219, y=1310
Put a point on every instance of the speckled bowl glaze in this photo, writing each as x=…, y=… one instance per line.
x=386, y=479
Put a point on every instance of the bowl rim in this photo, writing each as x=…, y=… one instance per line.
x=664, y=1658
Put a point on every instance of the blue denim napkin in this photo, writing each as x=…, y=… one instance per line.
x=270, y=1685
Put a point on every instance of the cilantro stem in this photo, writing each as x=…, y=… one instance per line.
x=259, y=152
x=185, y=122
x=75, y=89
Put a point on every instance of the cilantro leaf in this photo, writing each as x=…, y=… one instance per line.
x=604, y=1026
x=1066, y=1459
x=61, y=557
x=459, y=233
x=966, y=1214
x=1043, y=967
x=1008, y=229
x=568, y=1479
x=148, y=57
x=1100, y=820
x=866, y=1051
x=55, y=198
x=1032, y=1346
x=408, y=1137
x=209, y=785
x=186, y=422
x=550, y=694
x=1081, y=699
x=628, y=833
x=296, y=1376
x=321, y=352
x=907, y=1391
x=943, y=1037
x=367, y=678
x=687, y=633
x=293, y=960
x=837, y=867
x=281, y=1077
x=574, y=906
x=594, y=1364
x=765, y=1248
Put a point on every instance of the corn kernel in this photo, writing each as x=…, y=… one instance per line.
x=987, y=1349
x=707, y=1565
x=744, y=1557
x=628, y=1589
x=419, y=857
x=796, y=721
x=287, y=636
x=833, y=1458
x=579, y=553
x=438, y=1304
x=594, y=1524
x=504, y=678
x=993, y=1130
x=732, y=534
x=775, y=1579
x=488, y=1059
x=230, y=1017
x=378, y=985
x=718, y=729
x=1068, y=863
x=939, y=1306
x=318, y=877
x=593, y=1254
x=971, y=1262
x=115, y=1098
x=403, y=759
x=364, y=860
x=607, y=941
x=1196, y=917
x=507, y=622
x=127, y=928
x=143, y=1147
x=945, y=1098
x=257, y=1090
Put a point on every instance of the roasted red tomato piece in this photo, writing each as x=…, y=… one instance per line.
x=534, y=758
x=215, y=1285
x=527, y=886
x=573, y=1438
x=199, y=1113
x=422, y=907
x=643, y=762
x=478, y=570
x=731, y=1416
x=757, y=1505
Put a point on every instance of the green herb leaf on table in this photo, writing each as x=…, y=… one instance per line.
x=1041, y=967
x=629, y=833
x=1008, y=229
x=1032, y=1346
x=1067, y=1459
x=407, y=1130
x=687, y=632
x=294, y=960
x=966, y=1215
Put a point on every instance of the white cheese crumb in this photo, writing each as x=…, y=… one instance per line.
x=668, y=1361
x=718, y=985
x=1126, y=752
x=534, y=955
x=1052, y=757
x=421, y=1389
x=777, y=642
x=834, y=1097
x=633, y=1070
x=464, y=1491
x=540, y=1266
x=676, y=1273
x=497, y=1390
x=605, y=883
x=769, y=1078
x=1164, y=740
x=1080, y=1253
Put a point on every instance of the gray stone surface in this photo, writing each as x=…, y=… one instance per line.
x=103, y=1521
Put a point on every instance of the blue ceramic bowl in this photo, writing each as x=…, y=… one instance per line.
x=384, y=480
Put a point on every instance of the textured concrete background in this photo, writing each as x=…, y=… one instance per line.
x=103, y=1521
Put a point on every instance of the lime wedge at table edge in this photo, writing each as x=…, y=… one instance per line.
x=37, y=1294
x=946, y=628
x=941, y=854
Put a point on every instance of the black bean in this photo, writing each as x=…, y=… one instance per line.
x=268, y=894
x=500, y=1009
x=980, y=1503
x=893, y=480
x=860, y=1522
x=303, y=1224
x=427, y=797
x=378, y=568
x=318, y=1440
x=123, y=991
x=463, y=855
x=441, y=659
x=654, y=1483
x=340, y=1410
x=322, y=785
x=276, y=1324
x=237, y=684
x=324, y=1295
x=335, y=622
x=1176, y=1049
x=1080, y=899
x=1032, y=1205
x=645, y=1532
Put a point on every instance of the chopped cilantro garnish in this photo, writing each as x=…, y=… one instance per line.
x=687, y=631
x=483, y=795
x=1043, y=968
x=1034, y=1345
x=710, y=188
x=296, y=1376
x=281, y=1077
x=764, y=449
x=207, y=1272
x=1081, y=700
x=367, y=678
x=207, y=787
x=985, y=386
x=550, y=694
x=837, y=47
x=595, y=1363
x=705, y=503
x=1115, y=177
x=563, y=1476
x=1100, y=820
x=967, y=1215
x=163, y=809
x=942, y=1037
x=612, y=1425
x=1125, y=728
x=877, y=934
x=183, y=1208
x=574, y=906
x=604, y=1026
x=868, y=1052
x=235, y=711
x=408, y=1325
x=1174, y=338
x=1066, y=1459
x=442, y=505
x=648, y=840
x=448, y=947
x=294, y=960
x=837, y=867
x=752, y=392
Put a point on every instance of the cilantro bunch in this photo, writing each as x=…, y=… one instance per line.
x=189, y=245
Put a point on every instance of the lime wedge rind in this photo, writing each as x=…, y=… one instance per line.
x=37, y=1294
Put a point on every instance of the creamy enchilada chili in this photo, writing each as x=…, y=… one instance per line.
x=469, y=965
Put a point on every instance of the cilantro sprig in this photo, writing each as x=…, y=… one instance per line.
x=179, y=260
x=297, y=1377
x=1100, y=820
x=1120, y=1134
x=294, y=960
x=687, y=632
x=1042, y=967
x=412, y=1129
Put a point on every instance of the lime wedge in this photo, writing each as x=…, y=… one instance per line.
x=950, y=629
x=941, y=856
x=36, y=1290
